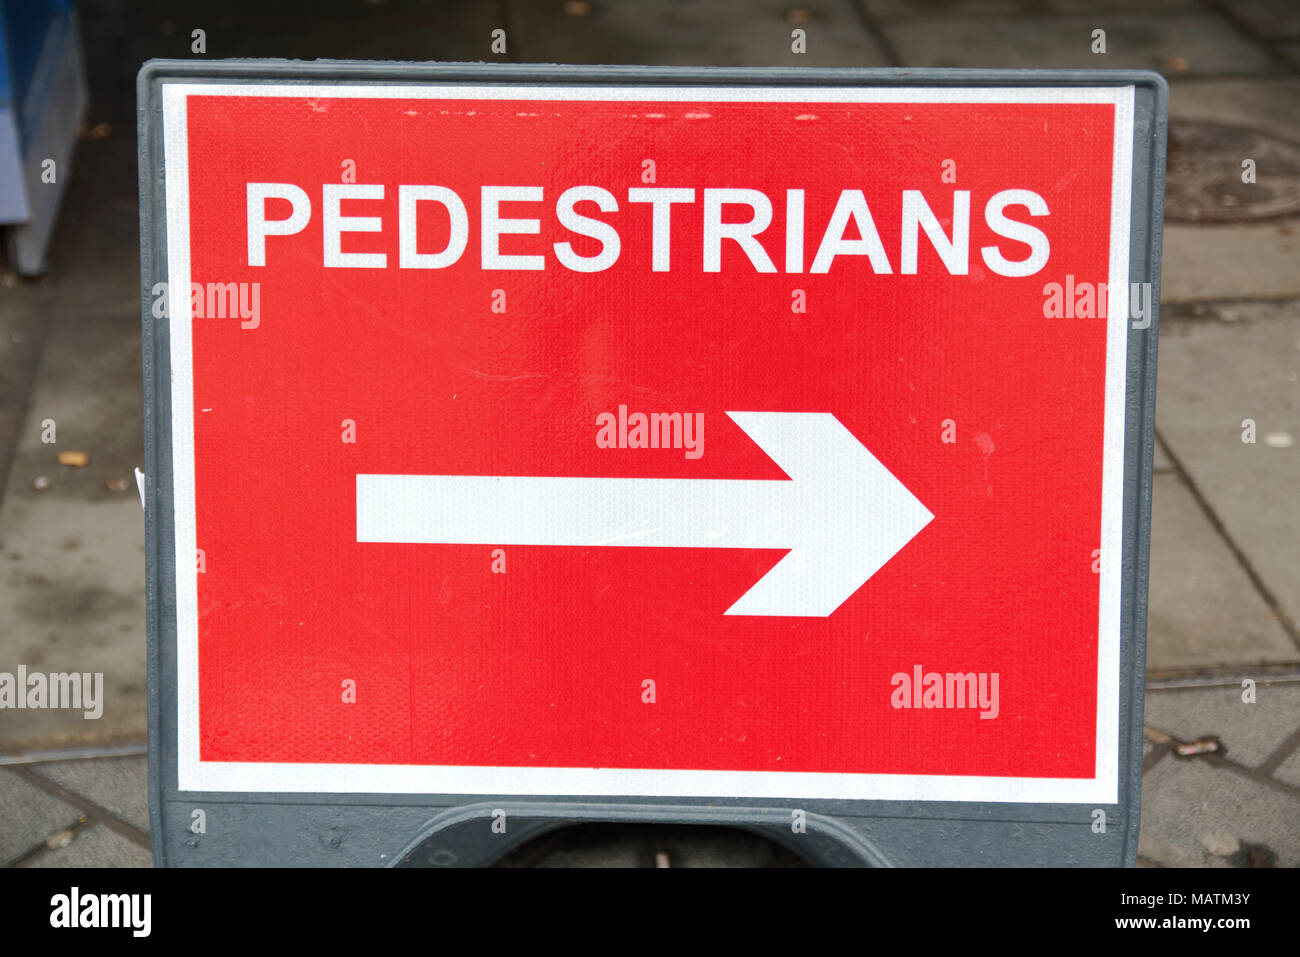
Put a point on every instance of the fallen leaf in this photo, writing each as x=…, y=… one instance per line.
x=1199, y=746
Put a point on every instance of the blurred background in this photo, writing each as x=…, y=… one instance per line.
x=1221, y=783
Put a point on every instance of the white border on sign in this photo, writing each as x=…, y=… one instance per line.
x=197, y=775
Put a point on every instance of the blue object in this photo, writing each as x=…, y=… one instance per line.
x=42, y=101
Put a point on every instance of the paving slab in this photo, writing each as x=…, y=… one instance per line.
x=118, y=785
x=72, y=597
x=1193, y=812
x=28, y=816
x=1182, y=44
x=911, y=9
x=1246, y=259
x=384, y=30
x=705, y=32
x=23, y=308
x=1203, y=611
x=903, y=9
x=1248, y=732
x=1213, y=376
x=1230, y=261
x=1289, y=770
x=95, y=846
x=1270, y=103
x=1162, y=462
x=1271, y=18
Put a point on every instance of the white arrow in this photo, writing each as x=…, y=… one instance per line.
x=842, y=514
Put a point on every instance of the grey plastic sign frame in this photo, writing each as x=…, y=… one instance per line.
x=365, y=829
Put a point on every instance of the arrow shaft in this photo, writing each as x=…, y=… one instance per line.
x=664, y=513
x=839, y=517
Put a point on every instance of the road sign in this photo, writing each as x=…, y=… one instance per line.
x=538, y=444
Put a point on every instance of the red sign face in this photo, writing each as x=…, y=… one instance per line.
x=721, y=442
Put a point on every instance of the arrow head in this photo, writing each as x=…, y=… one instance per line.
x=852, y=514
